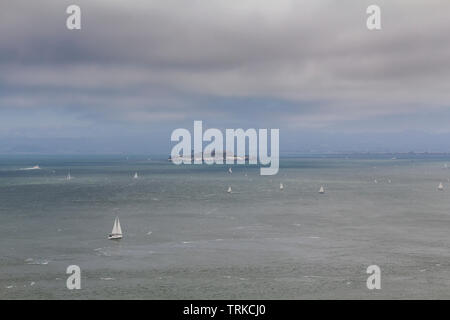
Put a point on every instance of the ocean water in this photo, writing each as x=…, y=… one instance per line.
x=185, y=237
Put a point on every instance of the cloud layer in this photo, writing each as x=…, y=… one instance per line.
x=298, y=65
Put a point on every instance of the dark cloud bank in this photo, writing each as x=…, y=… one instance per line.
x=139, y=69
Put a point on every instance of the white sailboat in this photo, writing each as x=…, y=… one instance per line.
x=229, y=190
x=321, y=190
x=229, y=170
x=441, y=187
x=281, y=186
x=116, y=232
x=136, y=175
x=69, y=177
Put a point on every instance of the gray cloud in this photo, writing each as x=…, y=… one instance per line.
x=299, y=64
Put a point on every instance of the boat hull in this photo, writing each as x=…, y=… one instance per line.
x=114, y=237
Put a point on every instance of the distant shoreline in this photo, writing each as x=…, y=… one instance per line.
x=286, y=155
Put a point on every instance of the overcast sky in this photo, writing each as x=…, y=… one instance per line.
x=139, y=69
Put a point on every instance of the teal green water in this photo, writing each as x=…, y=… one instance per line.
x=185, y=237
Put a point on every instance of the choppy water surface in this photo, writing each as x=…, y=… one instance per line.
x=186, y=237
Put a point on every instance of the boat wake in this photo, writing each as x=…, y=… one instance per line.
x=36, y=262
x=102, y=252
x=31, y=168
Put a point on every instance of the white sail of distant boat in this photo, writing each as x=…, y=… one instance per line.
x=440, y=187
x=229, y=170
x=321, y=190
x=229, y=190
x=281, y=186
x=375, y=181
x=69, y=177
x=136, y=175
x=116, y=232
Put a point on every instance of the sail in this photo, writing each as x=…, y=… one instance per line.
x=116, y=228
x=281, y=186
x=119, y=229
x=441, y=186
x=136, y=175
x=321, y=190
x=229, y=190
